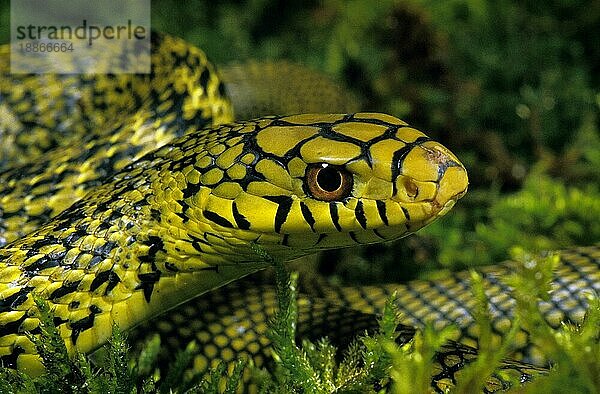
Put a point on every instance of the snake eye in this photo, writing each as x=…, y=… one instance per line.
x=328, y=183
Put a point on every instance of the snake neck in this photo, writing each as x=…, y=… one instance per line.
x=120, y=256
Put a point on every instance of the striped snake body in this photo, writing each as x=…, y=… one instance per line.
x=149, y=196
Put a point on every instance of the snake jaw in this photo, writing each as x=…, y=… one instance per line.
x=446, y=207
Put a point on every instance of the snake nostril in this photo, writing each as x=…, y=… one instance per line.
x=412, y=189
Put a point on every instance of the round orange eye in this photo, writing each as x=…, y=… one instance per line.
x=328, y=183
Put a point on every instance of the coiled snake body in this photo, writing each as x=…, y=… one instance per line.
x=136, y=208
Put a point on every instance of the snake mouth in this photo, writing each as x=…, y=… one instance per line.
x=453, y=183
x=443, y=205
x=444, y=209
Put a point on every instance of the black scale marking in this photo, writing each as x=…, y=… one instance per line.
x=284, y=205
x=11, y=302
x=218, y=219
x=308, y=217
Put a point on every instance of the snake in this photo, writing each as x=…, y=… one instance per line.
x=124, y=196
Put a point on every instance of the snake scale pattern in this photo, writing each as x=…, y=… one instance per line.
x=124, y=196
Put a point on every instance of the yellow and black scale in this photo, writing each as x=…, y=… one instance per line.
x=124, y=196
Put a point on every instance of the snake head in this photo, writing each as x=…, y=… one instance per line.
x=310, y=182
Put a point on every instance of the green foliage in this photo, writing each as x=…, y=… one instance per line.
x=218, y=380
x=119, y=371
x=574, y=349
x=526, y=69
x=412, y=364
x=63, y=374
x=490, y=356
x=371, y=362
x=313, y=367
x=553, y=214
x=117, y=374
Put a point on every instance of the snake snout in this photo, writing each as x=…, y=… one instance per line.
x=429, y=181
x=452, y=178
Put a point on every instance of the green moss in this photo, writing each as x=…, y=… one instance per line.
x=312, y=367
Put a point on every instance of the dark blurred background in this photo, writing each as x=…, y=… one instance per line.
x=511, y=86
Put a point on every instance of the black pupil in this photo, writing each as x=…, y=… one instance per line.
x=329, y=179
